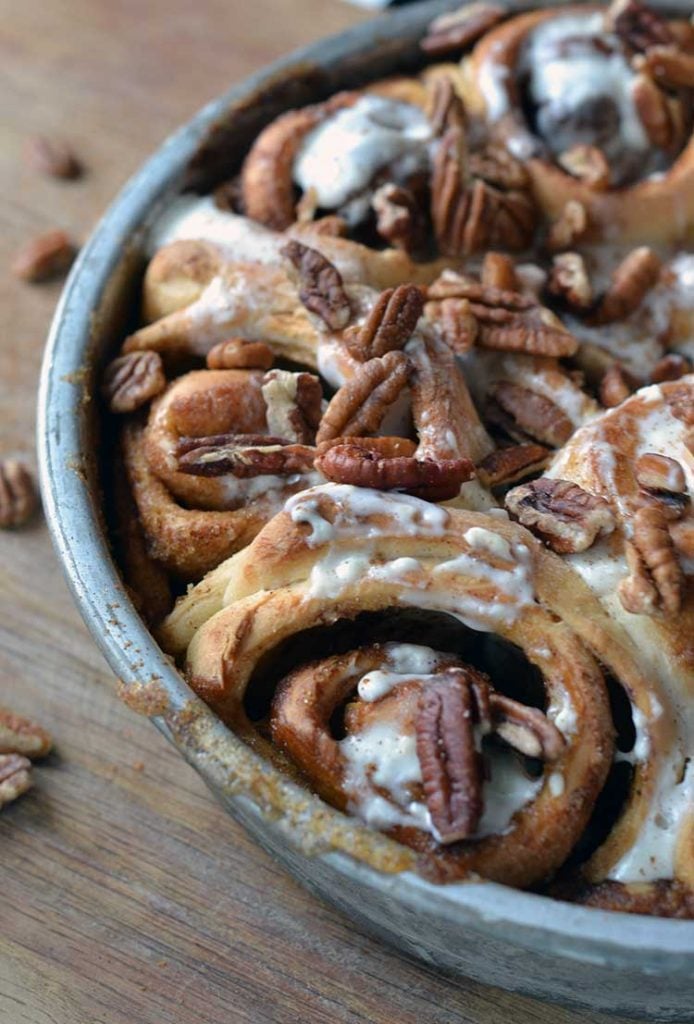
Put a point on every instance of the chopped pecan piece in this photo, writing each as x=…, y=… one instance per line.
x=587, y=163
x=526, y=729
x=652, y=559
x=661, y=115
x=458, y=29
x=455, y=322
x=242, y=456
x=498, y=271
x=21, y=736
x=637, y=25
x=570, y=227
x=536, y=416
x=132, y=380
x=360, y=405
x=616, y=386
x=451, y=772
x=18, y=498
x=569, y=280
x=320, y=285
x=15, y=777
x=561, y=513
x=659, y=473
x=368, y=462
x=389, y=325
x=44, y=257
x=668, y=65
x=293, y=405
x=495, y=165
x=636, y=274
x=52, y=156
x=447, y=110
x=509, y=465
x=670, y=367
x=398, y=217
x=240, y=354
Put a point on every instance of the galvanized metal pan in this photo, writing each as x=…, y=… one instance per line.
x=632, y=965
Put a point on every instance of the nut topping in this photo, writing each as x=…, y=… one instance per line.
x=447, y=110
x=21, y=736
x=389, y=325
x=656, y=578
x=588, y=164
x=455, y=322
x=670, y=367
x=458, y=29
x=509, y=465
x=637, y=25
x=320, y=285
x=398, y=217
x=293, y=405
x=18, y=498
x=132, y=380
x=561, y=513
x=498, y=271
x=14, y=777
x=360, y=405
x=44, y=257
x=535, y=415
x=52, y=156
x=369, y=462
x=661, y=115
x=569, y=280
x=616, y=386
x=243, y=456
x=668, y=65
x=240, y=354
x=659, y=473
x=636, y=274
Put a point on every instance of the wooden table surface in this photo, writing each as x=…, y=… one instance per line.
x=126, y=895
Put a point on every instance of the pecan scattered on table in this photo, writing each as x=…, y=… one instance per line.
x=15, y=777
x=44, y=257
x=52, y=156
x=18, y=497
x=20, y=735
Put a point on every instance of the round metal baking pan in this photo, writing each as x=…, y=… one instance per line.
x=628, y=964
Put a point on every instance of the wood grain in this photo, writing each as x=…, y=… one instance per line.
x=127, y=896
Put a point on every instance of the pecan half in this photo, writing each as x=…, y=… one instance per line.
x=570, y=227
x=455, y=322
x=653, y=560
x=509, y=465
x=498, y=271
x=458, y=29
x=660, y=114
x=587, y=163
x=15, y=777
x=243, y=456
x=616, y=386
x=44, y=257
x=495, y=165
x=360, y=405
x=52, y=156
x=659, y=473
x=447, y=110
x=669, y=65
x=568, y=280
x=670, y=367
x=526, y=729
x=240, y=354
x=320, y=285
x=450, y=764
x=535, y=415
x=361, y=462
x=293, y=405
x=633, y=278
x=132, y=380
x=389, y=325
x=449, y=198
x=494, y=218
x=637, y=25
x=18, y=498
x=637, y=592
x=561, y=513
x=21, y=736
x=398, y=217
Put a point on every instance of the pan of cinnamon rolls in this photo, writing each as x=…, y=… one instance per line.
x=393, y=484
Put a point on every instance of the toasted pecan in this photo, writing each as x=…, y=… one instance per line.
x=18, y=497
x=15, y=777
x=561, y=513
x=616, y=386
x=22, y=736
x=536, y=415
x=243, y=456
x=398, y=216
x=293, y=404
x=637, y=273
x=498, y=271
x=652, y=540
x=360, y=405
x=132, y=380
x=571, y=226
x=509, y=465
x=568, y=280
x=457, y=29
x=320, y=285
x=389, y=325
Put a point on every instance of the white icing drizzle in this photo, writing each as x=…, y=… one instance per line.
x=562, y=712
x=340, y=157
